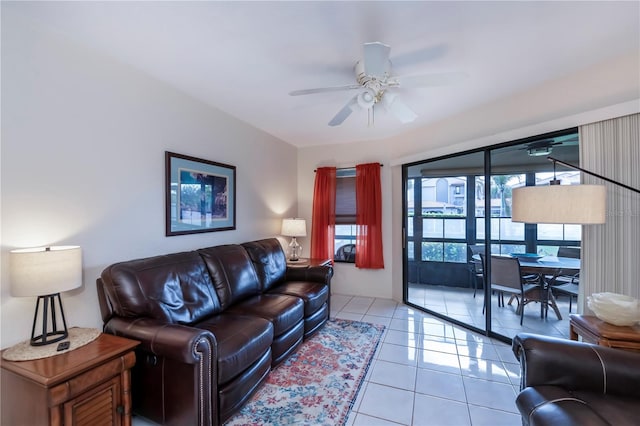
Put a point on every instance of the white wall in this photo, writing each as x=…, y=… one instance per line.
x=83, y=142
x=558, y=104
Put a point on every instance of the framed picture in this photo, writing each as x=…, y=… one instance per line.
x=200, y=195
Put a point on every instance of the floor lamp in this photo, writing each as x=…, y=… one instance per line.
x=572, y=204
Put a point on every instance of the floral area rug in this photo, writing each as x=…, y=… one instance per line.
x=319, y=383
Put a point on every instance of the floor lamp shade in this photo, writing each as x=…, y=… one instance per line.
x=566, y=204
x=45, y=272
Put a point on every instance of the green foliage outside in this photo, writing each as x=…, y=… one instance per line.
x=444, y=252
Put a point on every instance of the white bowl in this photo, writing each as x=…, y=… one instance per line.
x=616, y=309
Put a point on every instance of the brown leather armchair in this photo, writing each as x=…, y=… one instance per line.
x=564, y=382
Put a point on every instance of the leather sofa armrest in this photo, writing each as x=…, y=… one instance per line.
x=320, y=274
x=576, y=366
x=181, y=343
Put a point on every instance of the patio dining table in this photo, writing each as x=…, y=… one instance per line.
x=548, y=269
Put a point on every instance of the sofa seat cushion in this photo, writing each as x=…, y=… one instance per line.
x=242, y=340
x=283, y=311
x=314, y=294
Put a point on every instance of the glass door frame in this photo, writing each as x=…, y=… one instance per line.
x=487, y=153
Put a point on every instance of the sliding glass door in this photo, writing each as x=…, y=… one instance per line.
x=443, y=202
x=458, y=214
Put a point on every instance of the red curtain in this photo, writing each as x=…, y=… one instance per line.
x=368, y=217
x=323, y=218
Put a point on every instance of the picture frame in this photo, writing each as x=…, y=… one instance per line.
x=200, y=195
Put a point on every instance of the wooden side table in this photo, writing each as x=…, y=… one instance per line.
x=305, y=262
x=594, y=330
x=86, y=386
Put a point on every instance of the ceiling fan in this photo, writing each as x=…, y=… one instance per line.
x=374, y=80
x=545, y=146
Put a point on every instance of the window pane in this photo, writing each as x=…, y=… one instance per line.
x=410, y=226
x=341, y=243
x=479, y=194
x=510, y=230
x=432, y=228
x=410, y=198
x=343, y=230
x=455, y=252
x=480, y=228
x=495, y=229
x=455, y=228
x=501, y=186
x=511, y=248
x=444, y=195
x=344, y=243
x=573, y=232
x=432, y=251
x=550, y=231
x=410, y=248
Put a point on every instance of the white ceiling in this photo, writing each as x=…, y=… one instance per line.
x=245, y=57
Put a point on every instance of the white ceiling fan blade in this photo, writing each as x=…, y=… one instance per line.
x=427, y=80
x=398, y=108
x=344, y=112
x=324, y=89
x=376, y=59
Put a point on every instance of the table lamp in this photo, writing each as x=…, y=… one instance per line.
x=45, y=272
x=293, y=228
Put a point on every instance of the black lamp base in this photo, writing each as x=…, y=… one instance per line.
x=49, y=312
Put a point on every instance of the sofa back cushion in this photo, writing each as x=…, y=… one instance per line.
x=175, y=288
x=232, y=273
x=269, y=260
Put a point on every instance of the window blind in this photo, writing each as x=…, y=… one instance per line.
x=346, y=200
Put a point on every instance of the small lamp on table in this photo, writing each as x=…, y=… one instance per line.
x=45, y=272
x=293, y=228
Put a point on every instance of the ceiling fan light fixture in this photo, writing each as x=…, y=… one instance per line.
x=366, y=99
x=538, y=151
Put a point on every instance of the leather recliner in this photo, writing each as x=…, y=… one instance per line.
x=564, y=382
x=210, y=328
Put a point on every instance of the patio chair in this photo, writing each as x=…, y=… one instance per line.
x=568, y=284
x=506, y=277
x=476, y=269
x=346, y=253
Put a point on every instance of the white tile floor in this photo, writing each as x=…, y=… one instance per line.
x=459, y=304
x=427, y=371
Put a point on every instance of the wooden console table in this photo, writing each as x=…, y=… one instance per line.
x=86, y=386
x=594, y=330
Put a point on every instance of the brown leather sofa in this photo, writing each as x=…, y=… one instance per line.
x=212, y=323
x=564, y=382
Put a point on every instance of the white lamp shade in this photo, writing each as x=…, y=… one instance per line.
x=294, y=227
x=568, y=204
x=45, y=270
